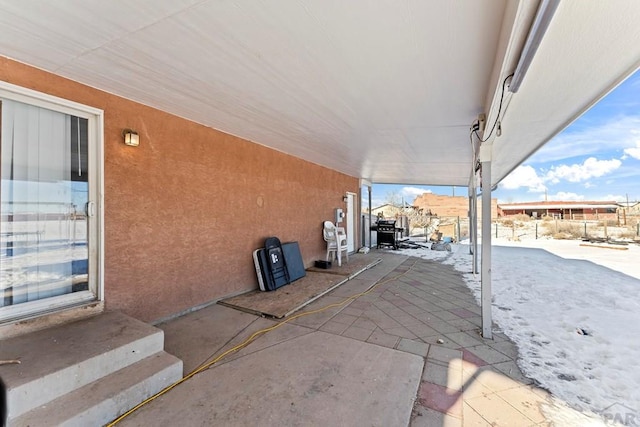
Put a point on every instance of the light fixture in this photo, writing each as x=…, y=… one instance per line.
x=345, y=198
x=541, y=22
x=131, y=137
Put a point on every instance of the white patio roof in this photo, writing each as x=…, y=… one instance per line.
x=381, y=90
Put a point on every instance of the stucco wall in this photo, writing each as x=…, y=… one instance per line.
x=185, y=209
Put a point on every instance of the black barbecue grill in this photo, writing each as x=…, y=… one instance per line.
x=386, y=233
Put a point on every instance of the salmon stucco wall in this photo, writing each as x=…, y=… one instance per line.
x=185, y=210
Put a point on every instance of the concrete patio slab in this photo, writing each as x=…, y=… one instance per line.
x=265, y=336
x=302, y=381
x=333, y=361
x=195, y=336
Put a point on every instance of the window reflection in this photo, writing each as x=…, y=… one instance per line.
x=43, y=195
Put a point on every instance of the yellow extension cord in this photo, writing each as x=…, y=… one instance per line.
x=206, y=365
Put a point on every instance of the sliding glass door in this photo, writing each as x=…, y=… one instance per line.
x=48, y=222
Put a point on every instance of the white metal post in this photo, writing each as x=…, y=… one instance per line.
x=470, y=221
x=369, y=191
x=485, y=159
x=475, y=231
x=473, y=226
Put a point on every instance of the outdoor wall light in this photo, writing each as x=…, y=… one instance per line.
x=131, y=137
x=345, y=198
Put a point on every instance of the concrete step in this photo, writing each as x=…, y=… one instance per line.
x=103, y=400
x=59, y=360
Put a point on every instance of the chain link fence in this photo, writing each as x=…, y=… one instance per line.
x=527, y=228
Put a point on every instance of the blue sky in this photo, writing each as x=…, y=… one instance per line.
x=596, y=158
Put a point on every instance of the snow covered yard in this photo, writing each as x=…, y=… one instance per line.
x=572, y=310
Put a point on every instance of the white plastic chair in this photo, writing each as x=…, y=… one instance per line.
x=336, y=240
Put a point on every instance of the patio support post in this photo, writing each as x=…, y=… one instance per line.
x=470, y=222
x=369, y=192
x=473, y=225
x=475, y=230
x=485, y=279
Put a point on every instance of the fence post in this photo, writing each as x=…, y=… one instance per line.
x=458, y=230
x=536, y=231
x=585, y=229
x=496, y=230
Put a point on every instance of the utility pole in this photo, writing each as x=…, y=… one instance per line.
x=626, y=212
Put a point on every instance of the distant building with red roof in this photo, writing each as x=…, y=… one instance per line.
x=583, y=210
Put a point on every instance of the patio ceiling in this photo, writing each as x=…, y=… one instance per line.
x=381, y=90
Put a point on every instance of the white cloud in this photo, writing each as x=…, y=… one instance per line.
x=376, y=202
x=610, y=197
x=537, y=181
x=413, y=192
x=564, y=197
x=617, y=134
x=590, y=168
x=633, y=151
x=524, y=177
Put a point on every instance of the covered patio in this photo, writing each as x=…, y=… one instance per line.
x=205, y=126
x=427, y=92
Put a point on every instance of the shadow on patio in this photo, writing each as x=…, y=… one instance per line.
x=407, y=352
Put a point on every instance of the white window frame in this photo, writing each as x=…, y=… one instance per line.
x=95, y=119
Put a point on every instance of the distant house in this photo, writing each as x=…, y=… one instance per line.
x=389, y=210
x=631, y=208
x=563, y=210
x=629, y=213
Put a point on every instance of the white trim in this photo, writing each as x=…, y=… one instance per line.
x=95, y=117
x=44, y=306
x=352, y=221
x=40, y=99
x=100, y=195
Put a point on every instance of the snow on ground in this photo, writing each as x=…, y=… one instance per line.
x=573, y=311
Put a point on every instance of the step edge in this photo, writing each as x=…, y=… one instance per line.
x=23, y=398
x=111, y=404
x=104, y=324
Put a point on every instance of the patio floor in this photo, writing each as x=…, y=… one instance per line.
x=406, y=352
